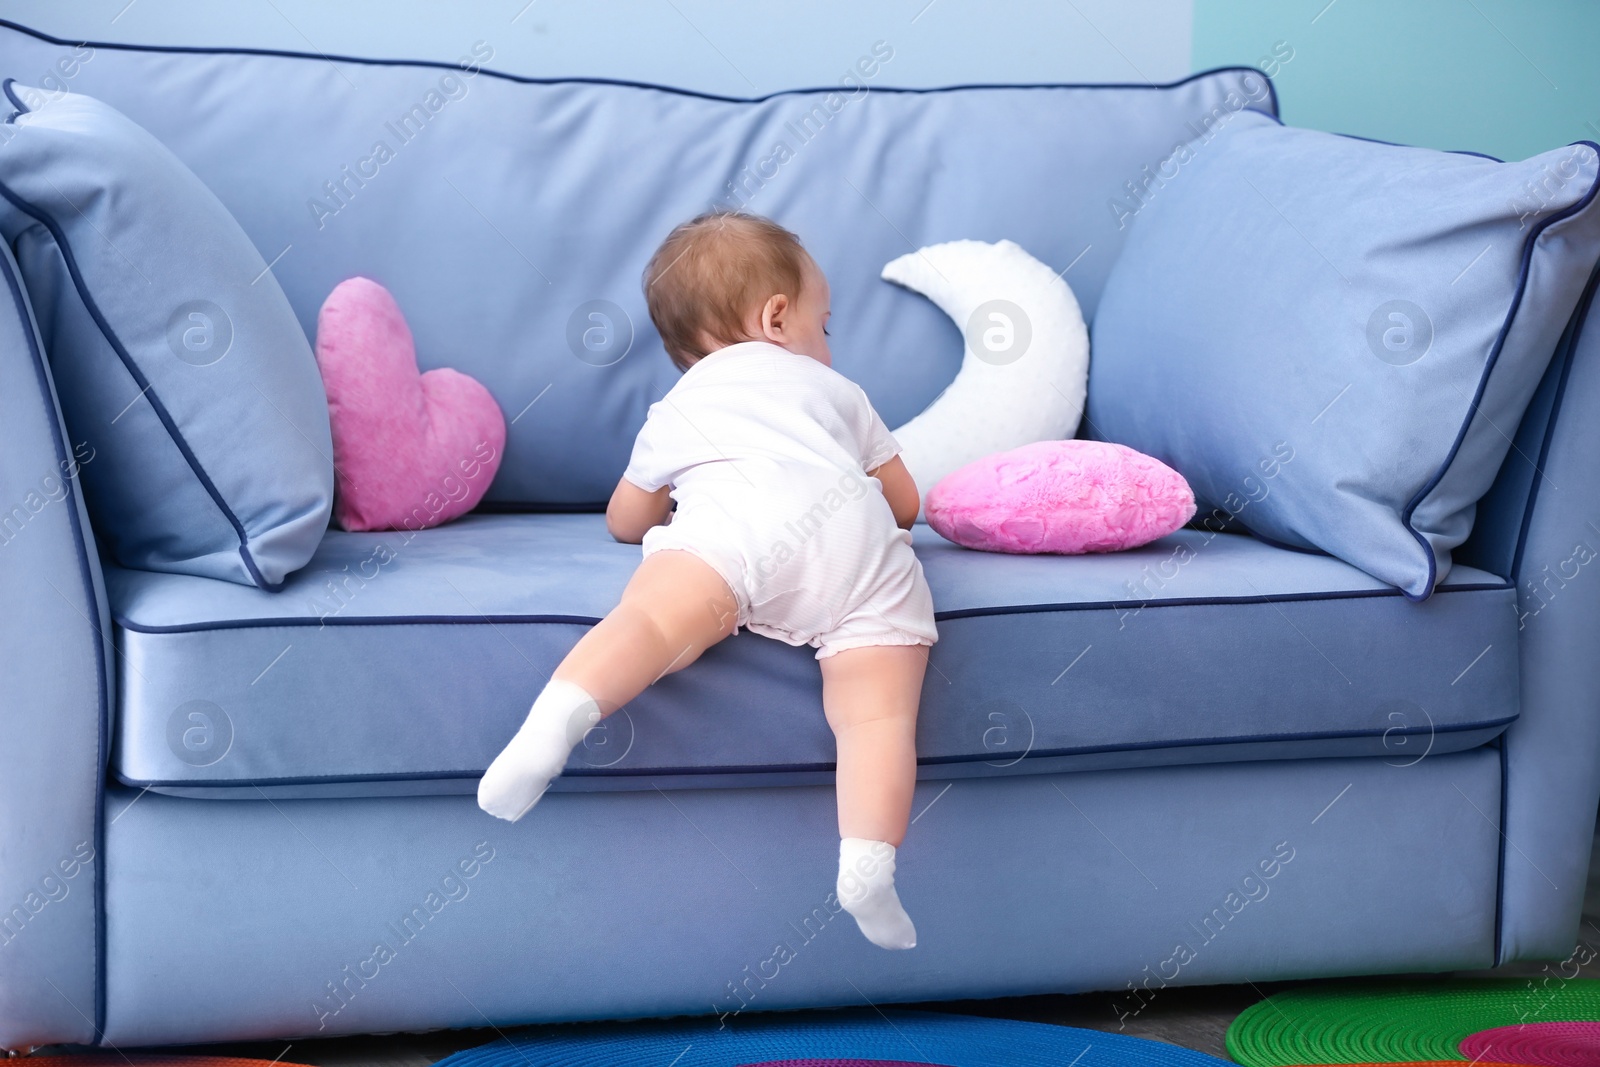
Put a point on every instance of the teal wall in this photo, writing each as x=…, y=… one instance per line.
x=1507, y=77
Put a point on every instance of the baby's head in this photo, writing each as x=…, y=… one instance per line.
x=726, y=277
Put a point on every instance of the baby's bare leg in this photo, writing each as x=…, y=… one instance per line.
x=674, y=608
x=870, y=696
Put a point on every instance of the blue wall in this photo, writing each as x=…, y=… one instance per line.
x=719, y=46
x=1507, y=77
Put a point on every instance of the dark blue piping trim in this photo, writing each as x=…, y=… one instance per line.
x=515, y=507
x=1449, y=151
x=1568, y=356
x=524, y=80
x=1201, y=601
x=355, y=620
x=1245, y=739
x=1397, y=144
x=942, y=616
x=769, y=768
x=1500, y=882
x=1488, y=369
x=25, y=322
x=1264, y=539
x=144, y=384
x=21, y=108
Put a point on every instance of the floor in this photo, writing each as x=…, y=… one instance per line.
x=1195, y=1017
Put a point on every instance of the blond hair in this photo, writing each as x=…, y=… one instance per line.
x=711, y=273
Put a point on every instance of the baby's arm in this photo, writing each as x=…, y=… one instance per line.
x=633, y=511
x=900, y=490
x=874, y=442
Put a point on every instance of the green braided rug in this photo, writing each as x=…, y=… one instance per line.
x=1399, y=1021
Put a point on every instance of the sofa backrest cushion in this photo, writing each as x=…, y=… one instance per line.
x=177, y=359
x=1335, y=339
x=512, y=219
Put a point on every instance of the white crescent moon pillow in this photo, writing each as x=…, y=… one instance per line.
x=1025, y=372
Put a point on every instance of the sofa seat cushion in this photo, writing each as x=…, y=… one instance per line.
x=401, y=662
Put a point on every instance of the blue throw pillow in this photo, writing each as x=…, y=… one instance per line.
x=178, y=360
x=1334, y=339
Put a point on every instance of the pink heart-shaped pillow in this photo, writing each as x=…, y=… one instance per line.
x=1060, y=496
x=410, y=450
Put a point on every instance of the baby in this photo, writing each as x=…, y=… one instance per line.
x=792, y=520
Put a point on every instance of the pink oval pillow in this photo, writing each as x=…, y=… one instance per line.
x=1061, y=497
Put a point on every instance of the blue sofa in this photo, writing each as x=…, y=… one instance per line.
x=234, y=813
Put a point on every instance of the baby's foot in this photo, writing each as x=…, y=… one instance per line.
x=522, y=772
x=866, y=890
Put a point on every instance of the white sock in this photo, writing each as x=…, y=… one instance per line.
x=519, y=776
x=866, y=889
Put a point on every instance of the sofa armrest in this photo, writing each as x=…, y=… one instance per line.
x=55, y=661
x=1540, y=526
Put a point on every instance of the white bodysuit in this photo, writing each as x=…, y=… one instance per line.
x=767, y=453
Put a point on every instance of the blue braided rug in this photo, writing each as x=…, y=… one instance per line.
x=836, y=1039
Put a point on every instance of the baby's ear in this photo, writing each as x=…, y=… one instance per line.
x=775, y=317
